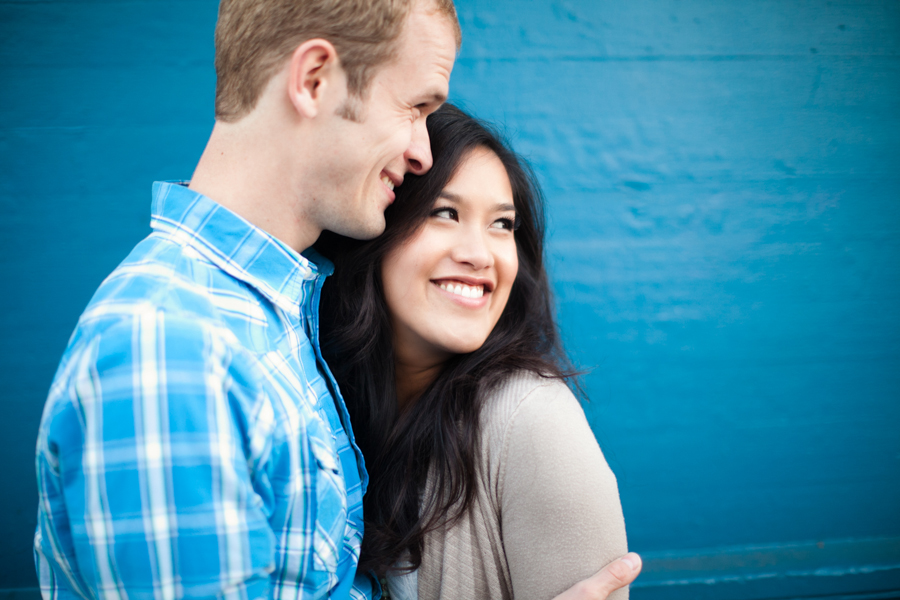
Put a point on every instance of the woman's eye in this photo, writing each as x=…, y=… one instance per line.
x=445, y=213
x=504, y=223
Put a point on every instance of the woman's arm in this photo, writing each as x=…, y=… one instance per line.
x=560, y=511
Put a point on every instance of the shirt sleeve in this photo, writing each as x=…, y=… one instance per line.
x=560, y=510
x=150, y=467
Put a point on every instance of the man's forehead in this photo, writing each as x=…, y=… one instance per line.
x=431, y=28
x=424, y=59
x=442, y=9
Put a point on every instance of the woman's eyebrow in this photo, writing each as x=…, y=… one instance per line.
x=450, y=196
x=456, y=199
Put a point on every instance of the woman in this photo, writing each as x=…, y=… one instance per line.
x=486, y=481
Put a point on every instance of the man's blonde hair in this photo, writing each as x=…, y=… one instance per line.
x=254, y=38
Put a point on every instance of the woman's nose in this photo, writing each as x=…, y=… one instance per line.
x=473, y=248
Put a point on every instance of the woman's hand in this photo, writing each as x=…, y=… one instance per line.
x=610, y=578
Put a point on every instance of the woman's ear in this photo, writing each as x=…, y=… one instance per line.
x=315, y=75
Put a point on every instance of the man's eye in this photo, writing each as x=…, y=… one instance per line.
x=445, y=213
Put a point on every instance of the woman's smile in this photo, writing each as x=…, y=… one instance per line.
x=465, y=289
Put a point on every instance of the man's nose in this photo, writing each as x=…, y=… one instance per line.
x=418, y=154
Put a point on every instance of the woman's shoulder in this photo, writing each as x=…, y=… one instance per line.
x=526, y=388
x=530, y=400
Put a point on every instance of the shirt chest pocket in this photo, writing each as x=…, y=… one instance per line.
x=330, y=522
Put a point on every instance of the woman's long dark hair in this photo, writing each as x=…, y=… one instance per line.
x=440, y=430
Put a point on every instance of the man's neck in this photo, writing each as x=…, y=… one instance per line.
x=246, y=169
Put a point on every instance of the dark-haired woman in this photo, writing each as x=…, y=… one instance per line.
x=486, y=481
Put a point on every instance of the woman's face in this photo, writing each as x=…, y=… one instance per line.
x=447, y=285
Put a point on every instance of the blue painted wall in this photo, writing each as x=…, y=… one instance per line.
x=724, y=189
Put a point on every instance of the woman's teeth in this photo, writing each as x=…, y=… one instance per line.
x=466, y=291
x=387, y=181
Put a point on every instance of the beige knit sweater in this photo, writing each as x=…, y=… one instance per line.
x=546, y=511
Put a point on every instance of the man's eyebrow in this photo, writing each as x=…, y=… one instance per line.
x=456, y=199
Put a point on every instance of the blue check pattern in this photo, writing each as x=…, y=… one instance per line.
x=194, y=443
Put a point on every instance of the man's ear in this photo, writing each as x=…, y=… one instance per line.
x=314, y=74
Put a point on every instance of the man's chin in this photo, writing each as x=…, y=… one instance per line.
x=362, y=231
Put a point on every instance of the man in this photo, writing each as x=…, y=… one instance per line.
x=194, y=442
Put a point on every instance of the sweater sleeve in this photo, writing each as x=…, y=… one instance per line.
x=561, y=518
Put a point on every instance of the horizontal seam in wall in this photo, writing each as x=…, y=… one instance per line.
x=818, y=57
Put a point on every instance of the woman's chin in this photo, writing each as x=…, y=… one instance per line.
x=466, y=346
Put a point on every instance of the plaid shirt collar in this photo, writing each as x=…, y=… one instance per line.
x=239, y=248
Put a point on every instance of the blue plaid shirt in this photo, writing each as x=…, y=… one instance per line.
x=194, y=443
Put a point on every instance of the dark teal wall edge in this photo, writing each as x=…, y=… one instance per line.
x=802, y=570
x=858, y=569
x=20, y=594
